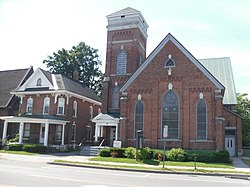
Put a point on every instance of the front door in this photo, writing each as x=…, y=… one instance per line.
x=230, y=145
x=112, y=136
x=42, y=132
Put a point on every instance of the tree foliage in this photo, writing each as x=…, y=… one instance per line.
x=242, y=109
x=81, y=58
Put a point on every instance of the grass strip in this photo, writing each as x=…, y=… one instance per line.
x=167, y=163
x=142, y=168
x=17, y=152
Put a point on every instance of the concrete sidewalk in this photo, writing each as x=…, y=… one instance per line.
x=239, y=165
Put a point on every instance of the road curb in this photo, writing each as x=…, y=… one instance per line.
x=234, y=176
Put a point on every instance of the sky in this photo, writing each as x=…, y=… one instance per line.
x=31, y=30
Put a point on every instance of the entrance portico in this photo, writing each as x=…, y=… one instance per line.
x=44, y=120
x=105, y=120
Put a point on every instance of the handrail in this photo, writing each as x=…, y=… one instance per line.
x=80, y=144
x=101, y=143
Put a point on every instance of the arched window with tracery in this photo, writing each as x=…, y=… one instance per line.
x=139, y=116
x=170, y=115
x=121, y=62
x=115, y=97
x=201, y=122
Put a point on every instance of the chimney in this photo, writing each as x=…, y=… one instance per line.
x=76, y=75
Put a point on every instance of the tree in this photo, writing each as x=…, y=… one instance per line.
x=81, y=58
x=242, y=109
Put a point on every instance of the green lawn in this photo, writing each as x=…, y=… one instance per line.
x=167, y=163
x=17, y=152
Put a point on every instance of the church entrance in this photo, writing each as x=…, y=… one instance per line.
x=230, y=141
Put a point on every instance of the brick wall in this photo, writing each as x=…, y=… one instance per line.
x=188, y=82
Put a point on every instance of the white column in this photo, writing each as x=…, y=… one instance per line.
x=5, y=127
x=46, y=134
x=21, y=126
x=101, y=131
x=116, y=132
x=63, y=132
x=96, y=132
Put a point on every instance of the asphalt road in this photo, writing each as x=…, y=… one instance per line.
x=38, y=174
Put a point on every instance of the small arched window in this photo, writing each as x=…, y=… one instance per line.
x=170, y=115
x=170, y=62
x=60, y=108
x=121, y=62
x=139, y=116
x=75, y=109
x=73, y=132
x=39, y=82
x=46, y=103
x=29, y=105
x=115, y=97
x=201, y=127
x=91, y=112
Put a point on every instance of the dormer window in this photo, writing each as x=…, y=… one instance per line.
x=170, y=62
x=39, y=82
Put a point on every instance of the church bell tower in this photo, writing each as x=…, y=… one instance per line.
x=126, y=51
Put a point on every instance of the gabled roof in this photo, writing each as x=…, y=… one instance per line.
x=105, y=119
x=57, y=82
x=221, y=68
x=9, y=80
x=77, y=87
x=168, y=38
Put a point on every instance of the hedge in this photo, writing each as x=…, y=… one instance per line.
x=35, y=148
x=105, y=153
x=120, y=152
x=174, y=154
x=15, y=147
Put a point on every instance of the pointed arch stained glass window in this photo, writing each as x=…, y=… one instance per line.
x=201, y=129
x=139, y=116
x=170, y=115
x=121, y=62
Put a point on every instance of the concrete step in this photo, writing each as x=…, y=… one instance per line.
x=89, y=151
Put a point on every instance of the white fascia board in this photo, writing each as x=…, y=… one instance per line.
x=56, y=92
x=15, y=119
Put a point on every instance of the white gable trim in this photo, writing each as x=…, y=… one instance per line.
x=105, y=119
x=168, y=38
x=31, y=78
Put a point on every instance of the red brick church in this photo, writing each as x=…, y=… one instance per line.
x=194, y=98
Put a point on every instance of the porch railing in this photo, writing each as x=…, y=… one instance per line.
x=80, y=144
x=101, y=143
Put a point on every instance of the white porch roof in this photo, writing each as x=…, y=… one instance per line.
x=18, y=119
x=105, y=119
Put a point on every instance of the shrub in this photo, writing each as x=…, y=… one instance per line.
x=105, y=153
x=130, y=152
x=158, y=154
x=120, y=151
x=35, y=148
x=146, y=153
x=15, y=147
x=222, y=156
x=177, y=154
x=114, y=154
x=201, y=156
